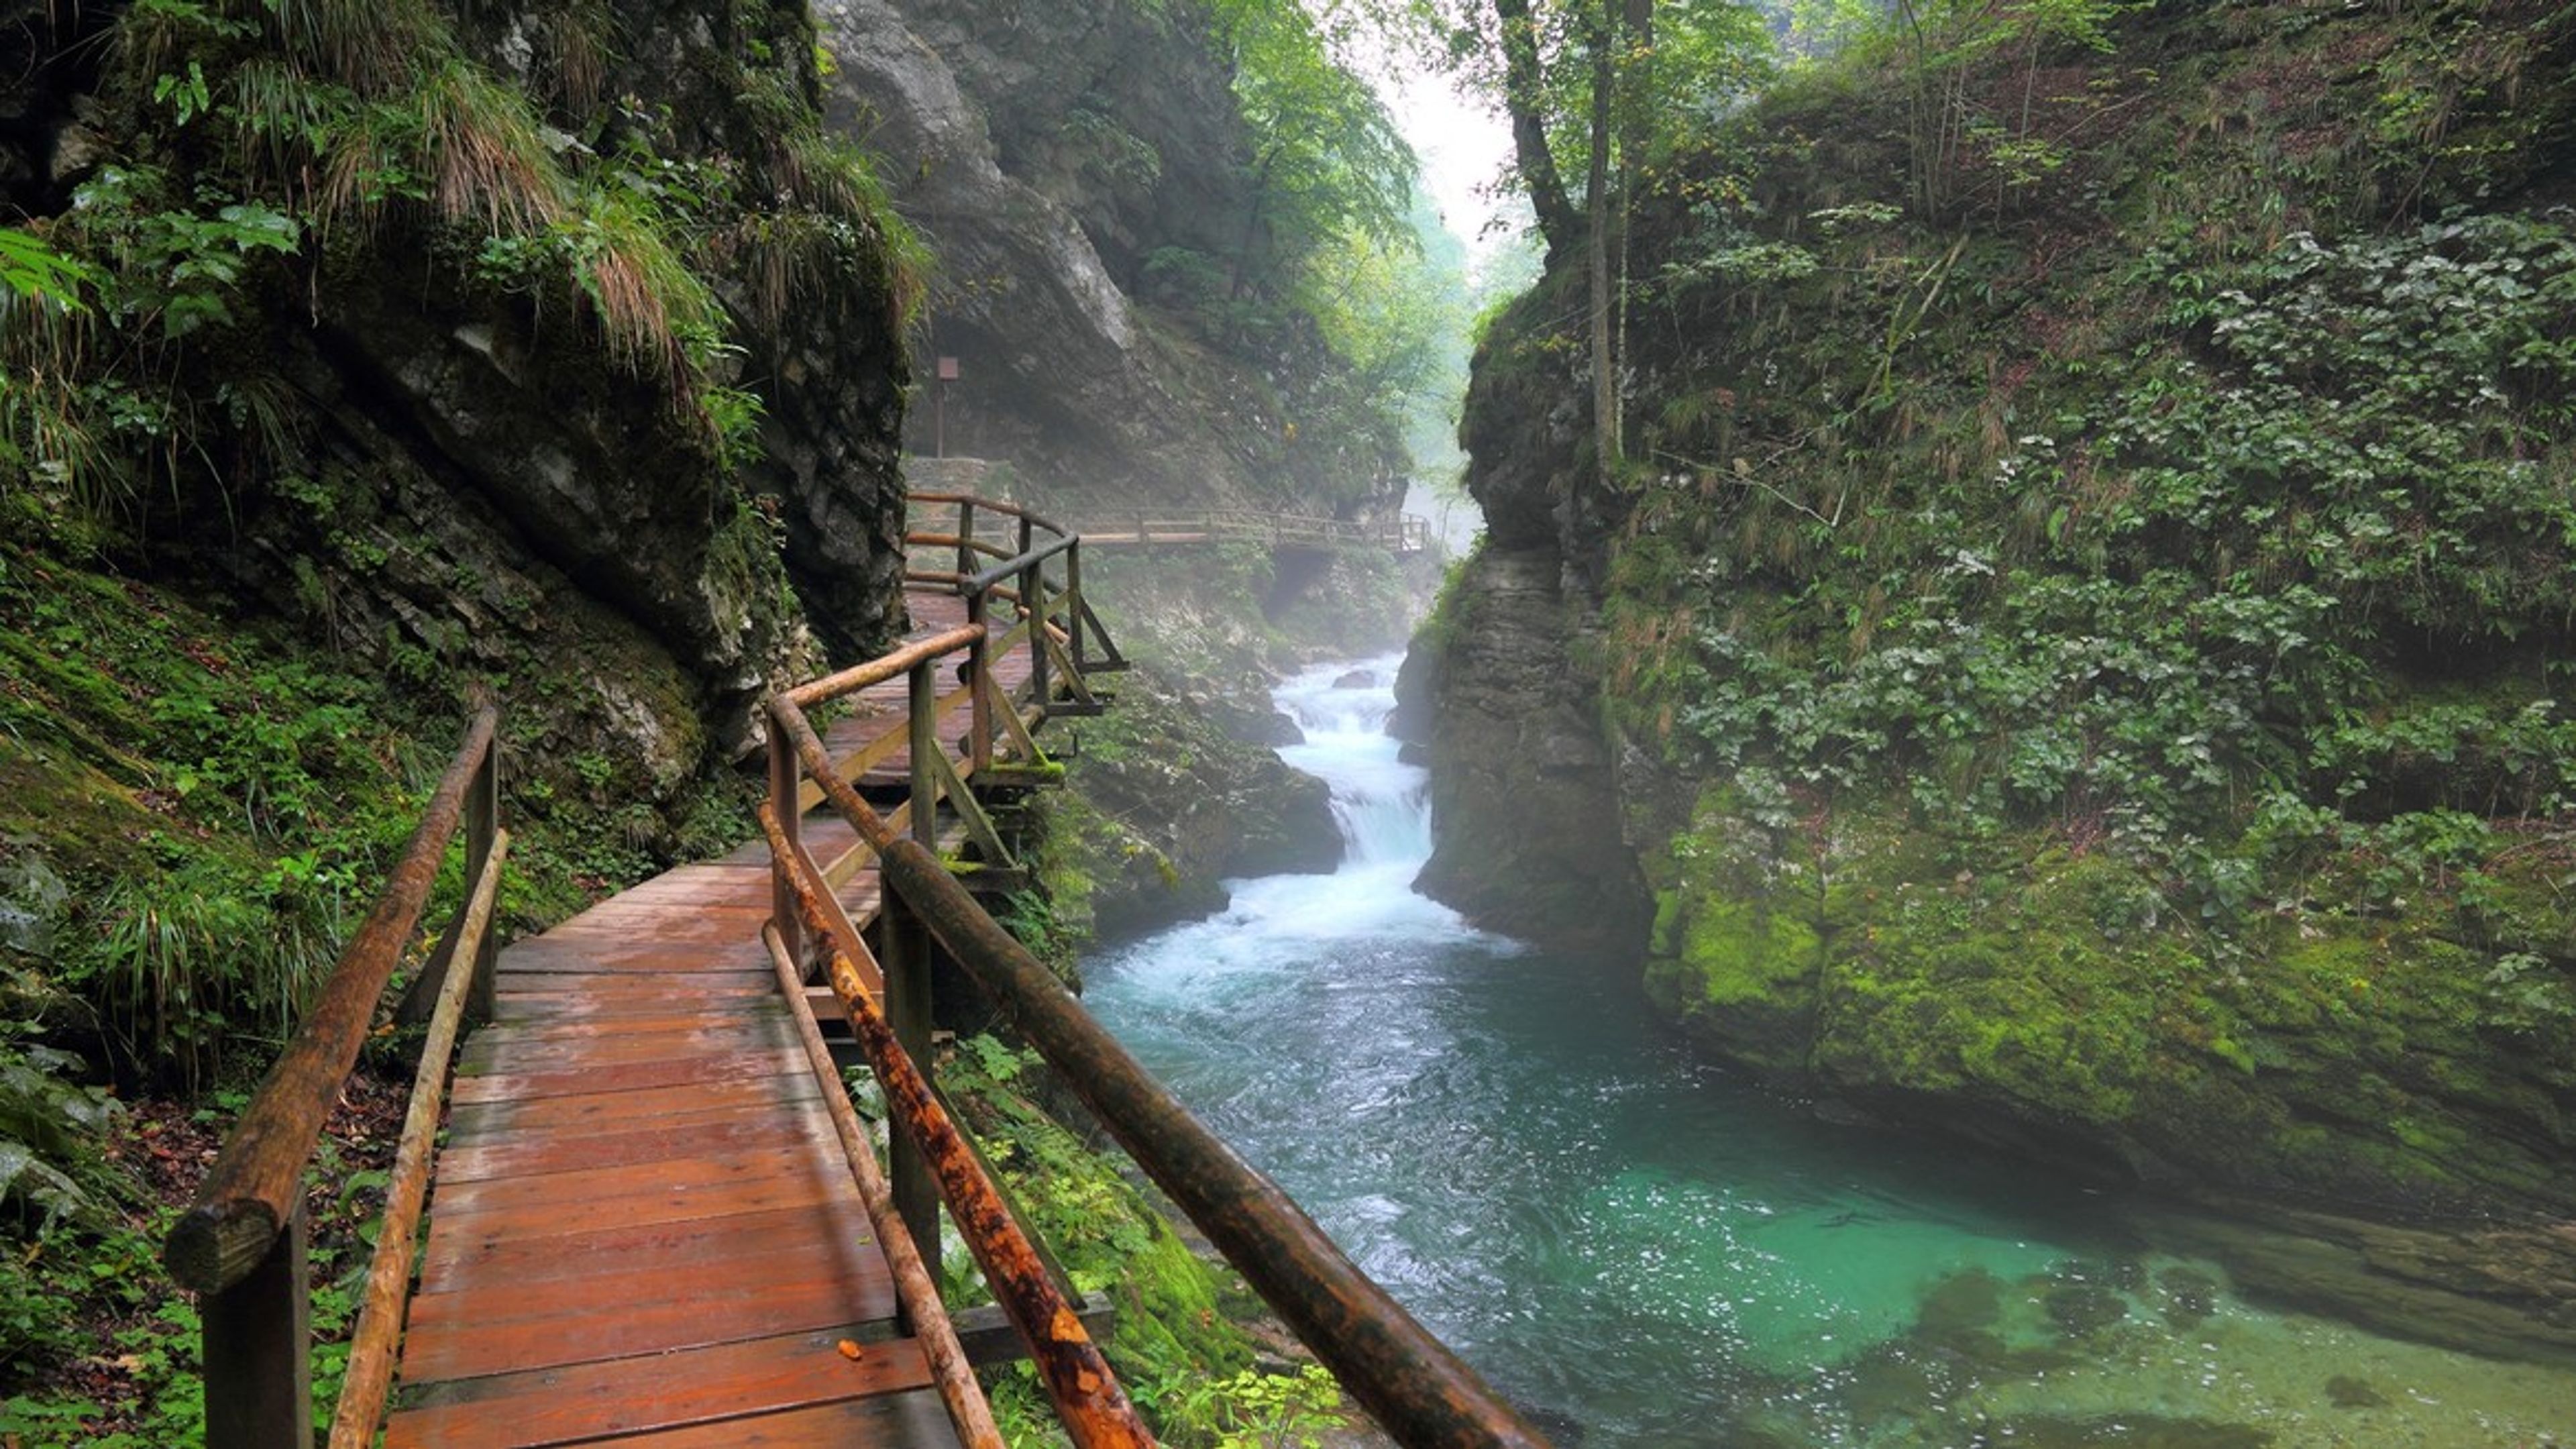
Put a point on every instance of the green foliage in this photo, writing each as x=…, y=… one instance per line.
x=2114, y=587
x=49, y=1131
x=2180, y=563
x=1178, y=1349
x=1255, y=1410
x=1329, y=162
x=34, y=273
x=283, y=125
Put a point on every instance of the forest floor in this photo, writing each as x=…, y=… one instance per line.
x=135, y=1381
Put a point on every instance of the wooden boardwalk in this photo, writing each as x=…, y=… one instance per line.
x=644, y=1228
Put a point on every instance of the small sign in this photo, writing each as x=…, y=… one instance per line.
x=948, y=369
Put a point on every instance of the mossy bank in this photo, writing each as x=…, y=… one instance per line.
x=2074, y=650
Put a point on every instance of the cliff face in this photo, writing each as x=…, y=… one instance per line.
x=2075, y=670
x=1057, y=158
x=445, y=427
x=412, y=353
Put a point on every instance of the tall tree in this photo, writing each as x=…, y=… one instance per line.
x=1525, y=98
x=1603, y=25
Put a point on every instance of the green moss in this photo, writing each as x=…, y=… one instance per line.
x=1181, y=1320
x=2057, y=998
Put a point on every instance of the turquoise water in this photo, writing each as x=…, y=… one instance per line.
x=1645, y=1251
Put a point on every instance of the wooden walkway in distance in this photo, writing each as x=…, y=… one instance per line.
x=643, y=1229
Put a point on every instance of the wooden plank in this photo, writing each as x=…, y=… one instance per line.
x=713, y=1037
x=463, y=1264
x=584, y=1112
x=582, y=987
x=712, y=1306
x=591, y=1188
x=747, y=1129
x=731, y=1066
x=611, y=1286
x=595, y=957
x=543, y=1029
x=757, y=1194
x=913, y=1419
x=662, y=1391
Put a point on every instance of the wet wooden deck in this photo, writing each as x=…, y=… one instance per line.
x=643, y=1229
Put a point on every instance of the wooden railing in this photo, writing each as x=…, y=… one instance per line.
x=1411, y=1382
x=241, y=1244
x=1400, y=533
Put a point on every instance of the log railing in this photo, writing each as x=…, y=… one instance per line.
x=990, y=534
x=1399, y=533
x=241, y=1244
x=1407, y=1379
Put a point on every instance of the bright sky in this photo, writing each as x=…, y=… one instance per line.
x=1464, y=144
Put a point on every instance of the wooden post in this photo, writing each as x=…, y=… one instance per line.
x=966, y=538
x=979, y=658
x=925, y=746
x=1073, y=606
x=903, y=953
x=1034, y=607
x=258, y=1351
x=482, y=827
x=784, y=780
x=1142, y=536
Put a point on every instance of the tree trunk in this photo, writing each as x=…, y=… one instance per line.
x=1524, y=96
x=1605, y=376
x=1638, y=96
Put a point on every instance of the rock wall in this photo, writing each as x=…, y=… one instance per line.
x=1524, y=800
x=1047, y=153
x=1164, y=807
x=411, y=433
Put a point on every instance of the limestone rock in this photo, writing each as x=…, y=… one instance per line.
x=1522, y=789
x=1051, y=154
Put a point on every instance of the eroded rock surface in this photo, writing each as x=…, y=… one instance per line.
x=1522, y=788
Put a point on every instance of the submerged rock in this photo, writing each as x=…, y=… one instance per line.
x=2190, y=1296
x=2501, y=1290
x=2083, y=1309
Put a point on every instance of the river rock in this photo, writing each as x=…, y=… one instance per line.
x=1169, y=807
x=2499, y=1289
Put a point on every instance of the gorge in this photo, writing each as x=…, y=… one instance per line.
x=1991, y=809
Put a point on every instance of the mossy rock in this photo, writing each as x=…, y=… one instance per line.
x=2047, y=1007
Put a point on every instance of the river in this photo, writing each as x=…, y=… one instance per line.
x=1646, y=1251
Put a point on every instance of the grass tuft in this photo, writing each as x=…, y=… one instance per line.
x=487, y=161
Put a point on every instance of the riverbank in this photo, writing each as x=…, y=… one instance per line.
x=1648, y=1249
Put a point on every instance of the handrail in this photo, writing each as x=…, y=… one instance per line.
x=1414, y=1385
x=885, y=667
x=993, y=505
x=1400, y=532
x=1019, y=563
x=916, y=1290
x=1403, y=533
x=1088, y=1399
x=241, y=1242
x=377, y=1336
